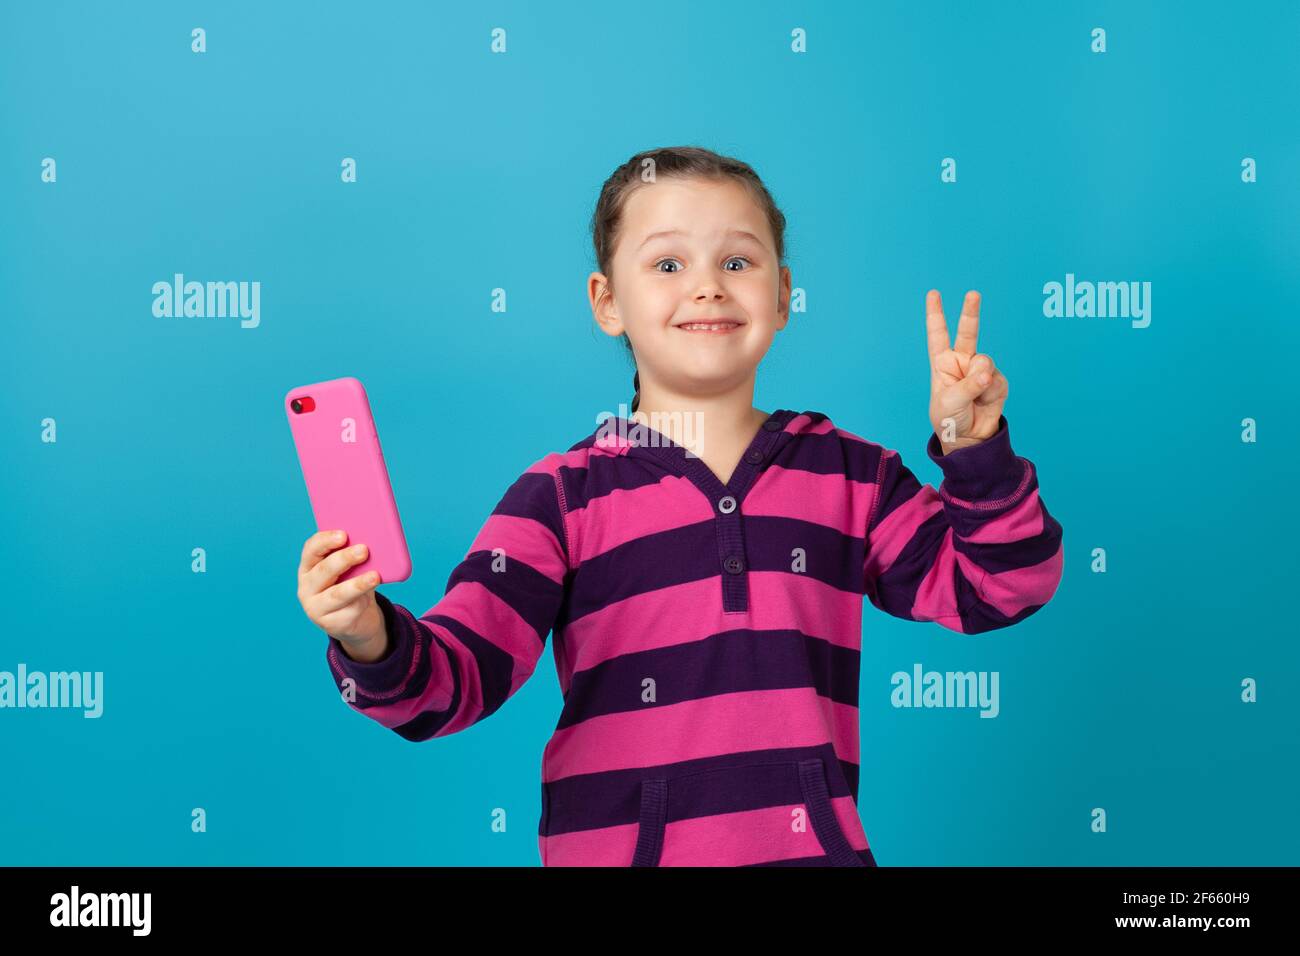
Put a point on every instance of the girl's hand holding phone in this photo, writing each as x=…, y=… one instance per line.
x=347, y=480
x=346, y=610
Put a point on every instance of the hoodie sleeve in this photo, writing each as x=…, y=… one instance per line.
x=979, y=553
x=459, y=661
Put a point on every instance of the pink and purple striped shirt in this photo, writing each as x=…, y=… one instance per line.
x=707, y=636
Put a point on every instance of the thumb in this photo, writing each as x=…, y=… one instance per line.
x=975, y=382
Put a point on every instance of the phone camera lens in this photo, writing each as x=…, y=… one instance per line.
x=296, y=405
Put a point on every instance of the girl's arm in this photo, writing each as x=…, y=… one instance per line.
x=459, y=661
x=979, y=553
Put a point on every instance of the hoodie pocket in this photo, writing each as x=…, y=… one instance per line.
x=816, y=797
x=811, y=773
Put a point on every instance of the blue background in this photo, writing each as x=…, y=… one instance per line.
x=478, y=171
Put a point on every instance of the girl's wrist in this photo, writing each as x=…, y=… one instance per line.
x=371, y=644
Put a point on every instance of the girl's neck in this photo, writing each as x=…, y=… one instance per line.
x=717, y=424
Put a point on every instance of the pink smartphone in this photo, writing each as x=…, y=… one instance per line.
x=347, y=480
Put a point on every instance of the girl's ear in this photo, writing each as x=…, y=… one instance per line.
x=783, y=291
x=603, y=308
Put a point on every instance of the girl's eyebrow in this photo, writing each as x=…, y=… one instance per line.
x=741, y=233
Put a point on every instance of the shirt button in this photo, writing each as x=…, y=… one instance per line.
x=727, y=505
x=734, y=565
x=754, y=457
x=772, y=425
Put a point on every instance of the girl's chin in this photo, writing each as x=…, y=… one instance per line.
x=711, y=381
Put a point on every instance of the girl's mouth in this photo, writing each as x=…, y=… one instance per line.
x=717, y=328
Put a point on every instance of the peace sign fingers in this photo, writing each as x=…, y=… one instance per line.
x=936, y=328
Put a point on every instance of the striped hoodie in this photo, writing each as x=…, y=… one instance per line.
x=707, y=636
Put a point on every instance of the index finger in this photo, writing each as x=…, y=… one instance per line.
x=936, y=329
x=318, y=546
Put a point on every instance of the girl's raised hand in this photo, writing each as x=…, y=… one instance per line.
x=967, y=391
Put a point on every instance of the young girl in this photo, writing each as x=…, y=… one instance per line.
x=703, y=577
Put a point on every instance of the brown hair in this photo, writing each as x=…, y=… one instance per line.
x=681, y=162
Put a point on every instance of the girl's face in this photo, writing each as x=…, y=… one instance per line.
x=694, y=251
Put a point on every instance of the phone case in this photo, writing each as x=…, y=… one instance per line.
x=347, y=480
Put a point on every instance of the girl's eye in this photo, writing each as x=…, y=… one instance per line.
x=734, y=259
x=662, y=261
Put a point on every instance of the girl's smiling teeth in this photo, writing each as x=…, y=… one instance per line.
x=722, y=326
